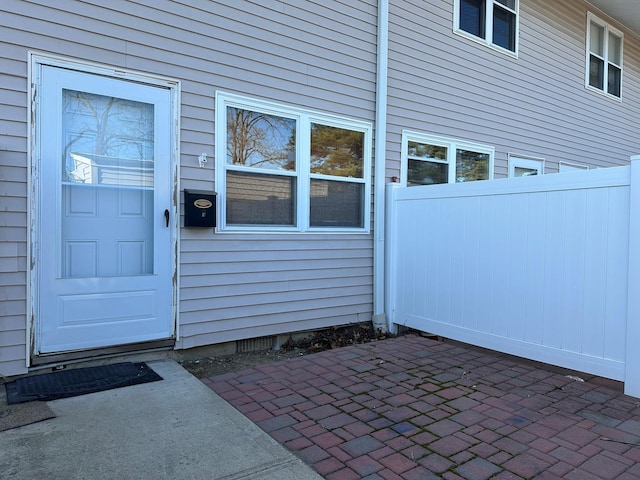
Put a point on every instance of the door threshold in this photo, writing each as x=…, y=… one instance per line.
x=56, y=359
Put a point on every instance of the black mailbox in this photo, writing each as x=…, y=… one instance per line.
x=199, y=209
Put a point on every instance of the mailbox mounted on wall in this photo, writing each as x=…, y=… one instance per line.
x=199, y=209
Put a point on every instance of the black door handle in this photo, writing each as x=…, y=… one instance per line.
x=166, y=216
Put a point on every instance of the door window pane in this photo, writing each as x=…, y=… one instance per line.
x=259, y=199
x=107, y=194
x=106, y=140
x=336, y=151
x=336, y=204
x=260, y=140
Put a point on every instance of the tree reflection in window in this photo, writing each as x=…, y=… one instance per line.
x=285, y=167
x=447, y=162
x=260, y=140
x=471, y=166
x=336, y=151
x=427, y=164
x=107, y=140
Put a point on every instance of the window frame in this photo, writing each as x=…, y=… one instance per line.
x=567, y=167
x=302, y=203
x=608, y=29
x=452, y=145
x=524, y=161
x=489, y=16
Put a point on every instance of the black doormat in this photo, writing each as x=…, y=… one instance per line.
x=78, y=381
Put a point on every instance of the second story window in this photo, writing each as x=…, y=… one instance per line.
x=494, y=21
x=604, y=57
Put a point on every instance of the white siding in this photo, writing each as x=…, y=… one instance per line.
x=535, y=105
x=310, y=54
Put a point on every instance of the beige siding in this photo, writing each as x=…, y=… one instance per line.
x=536, y=105
x=321, y=56
x=309, y=54
x=13, y=207
x=233, y=286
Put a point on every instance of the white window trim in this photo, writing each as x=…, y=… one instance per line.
x=452, y=145
x=304, y=119
x=489, y=28
x=572, y=167
x=607, y=28
x=524, y=161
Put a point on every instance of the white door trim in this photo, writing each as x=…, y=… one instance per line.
x=36, y=60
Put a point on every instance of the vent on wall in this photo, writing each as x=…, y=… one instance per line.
x=255, y=344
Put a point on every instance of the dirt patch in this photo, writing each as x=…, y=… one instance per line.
x=321, y=340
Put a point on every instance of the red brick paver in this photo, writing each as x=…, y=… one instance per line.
x=412, y=407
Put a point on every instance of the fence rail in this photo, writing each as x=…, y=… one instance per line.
x=539, y=267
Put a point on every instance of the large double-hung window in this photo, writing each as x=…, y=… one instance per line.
x=494, y=22
x=604, y=57
x=430, y=159
x=286, y=169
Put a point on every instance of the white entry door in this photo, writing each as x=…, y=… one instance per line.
x=104, y=252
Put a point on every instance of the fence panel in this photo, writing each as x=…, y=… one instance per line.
x=534, y=266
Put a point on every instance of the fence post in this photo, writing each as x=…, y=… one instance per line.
x=391, y=259
x=632, y=352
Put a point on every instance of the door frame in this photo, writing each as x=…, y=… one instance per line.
x=36, y=60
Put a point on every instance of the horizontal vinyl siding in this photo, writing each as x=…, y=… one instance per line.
x=13, y=208
x=238, y=45
x=446, y=84
x=233, y=285
x=309, y=54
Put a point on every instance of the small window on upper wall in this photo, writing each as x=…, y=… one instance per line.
x=604, y=57
x=521, y=166
x=571, y=167
x=493, y=21
x=428, y=159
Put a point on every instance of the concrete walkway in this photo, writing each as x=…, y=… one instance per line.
x=417, y=408
x=171, y=429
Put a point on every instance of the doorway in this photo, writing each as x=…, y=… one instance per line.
x=103, y=240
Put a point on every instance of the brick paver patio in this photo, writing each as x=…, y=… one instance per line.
x=412, y=407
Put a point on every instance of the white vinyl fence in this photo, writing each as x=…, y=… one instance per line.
x=545, y=267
